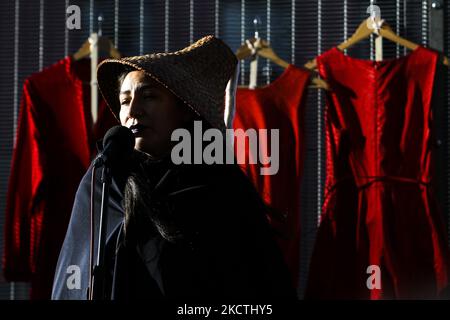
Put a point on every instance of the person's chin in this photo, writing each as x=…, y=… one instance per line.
x=142, y=145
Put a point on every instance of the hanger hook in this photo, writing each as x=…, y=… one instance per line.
x=256, y=24
x=375, y=22
x=100, y=21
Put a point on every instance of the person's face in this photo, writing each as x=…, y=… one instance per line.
x=151, y=111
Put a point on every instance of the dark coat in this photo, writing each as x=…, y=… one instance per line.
x=229, y=250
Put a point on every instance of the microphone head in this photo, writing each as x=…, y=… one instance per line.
x=119, y=144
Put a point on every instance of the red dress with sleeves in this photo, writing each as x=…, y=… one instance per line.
x=55, y=143
x=280, y=105
x=379, y=207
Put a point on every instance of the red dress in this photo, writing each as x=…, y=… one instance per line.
x=55, y=144
x=280, y=105
x=379, y=207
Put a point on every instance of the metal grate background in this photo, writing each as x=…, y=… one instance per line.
x=299, y=30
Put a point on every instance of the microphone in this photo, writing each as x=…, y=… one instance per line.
x=118, y=144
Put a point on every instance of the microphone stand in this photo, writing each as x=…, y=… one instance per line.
x=96, y=290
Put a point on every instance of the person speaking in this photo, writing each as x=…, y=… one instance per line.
x=172, y=231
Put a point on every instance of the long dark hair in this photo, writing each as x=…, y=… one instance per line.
x=145, y=214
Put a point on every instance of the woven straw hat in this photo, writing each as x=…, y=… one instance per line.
x=197, y=74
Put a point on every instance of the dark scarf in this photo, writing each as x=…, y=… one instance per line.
x=147, y=211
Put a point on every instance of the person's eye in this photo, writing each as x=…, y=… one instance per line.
x=124, y=102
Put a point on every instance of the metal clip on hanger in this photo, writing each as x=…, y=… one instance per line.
x=254, y=47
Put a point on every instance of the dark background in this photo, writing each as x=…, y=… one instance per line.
x=33, y=35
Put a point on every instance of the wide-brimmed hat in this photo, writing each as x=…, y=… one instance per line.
x=197, y=74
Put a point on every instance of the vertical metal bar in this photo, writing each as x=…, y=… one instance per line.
x=216, y=18
x=66, y=34
x=141, y=27
x=268, y=30
x=12, y=287
x=398, y=22
x=372, y=49
x=41, y=34
x=16, y=67
x=116, y=23
x=191, y=21
x=12, y=291
x=293, y=35
x=345, y=22
x=405, y=23
x=166, y=26
x=425, y=22
x=319, y=117
x=242, y=39
x=91, y=16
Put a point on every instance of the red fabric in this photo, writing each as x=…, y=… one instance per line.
x=379, y=207
x=54, y=146
x=279, y=105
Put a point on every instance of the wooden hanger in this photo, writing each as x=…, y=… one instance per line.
x=363, y=32
x=105, y=47
x=263, y=49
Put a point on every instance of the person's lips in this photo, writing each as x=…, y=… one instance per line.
x=137, y=129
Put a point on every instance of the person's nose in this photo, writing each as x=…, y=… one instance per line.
x=136, y=109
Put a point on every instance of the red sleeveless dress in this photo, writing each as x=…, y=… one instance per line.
x=379, y=205
x=280, y=105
